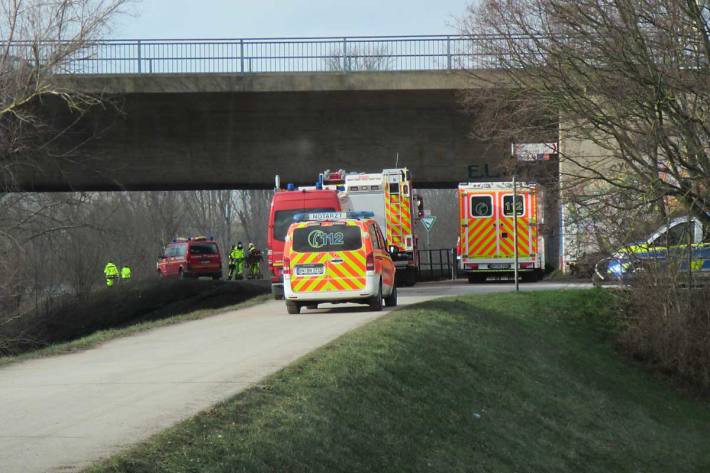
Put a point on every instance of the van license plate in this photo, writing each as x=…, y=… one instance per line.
x=310, y=269
x=499, y=266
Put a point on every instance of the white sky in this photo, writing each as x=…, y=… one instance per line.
x=285, y=18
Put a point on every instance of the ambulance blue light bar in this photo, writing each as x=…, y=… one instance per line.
x=330, y=216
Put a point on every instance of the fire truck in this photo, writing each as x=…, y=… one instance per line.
x=285, y=204
x=390, y=195
x=486, y=237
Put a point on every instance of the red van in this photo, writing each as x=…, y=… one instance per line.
x=284, y=205
x=191, y=258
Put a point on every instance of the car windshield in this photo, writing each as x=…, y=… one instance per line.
x=284, y=218
x=203, y=249
x=320, y=238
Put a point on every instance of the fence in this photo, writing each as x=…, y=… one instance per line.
x=435, y=265
x=263, y=55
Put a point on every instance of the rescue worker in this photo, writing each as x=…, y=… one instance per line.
x=126, y=273
x=236, y=262
x=111, y=273
x=254, y=261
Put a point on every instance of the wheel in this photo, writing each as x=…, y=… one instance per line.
x=391, y=300
x=277, y=292
x=293, y=307
x=474, y=278
x=376, y=302
x=406, y=277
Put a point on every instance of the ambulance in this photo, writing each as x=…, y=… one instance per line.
x=337, y=257
x=390, y=195
x=486, y=237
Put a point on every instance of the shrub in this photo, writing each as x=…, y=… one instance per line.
x=668, y=324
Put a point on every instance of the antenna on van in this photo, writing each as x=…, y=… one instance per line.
x=396, y=161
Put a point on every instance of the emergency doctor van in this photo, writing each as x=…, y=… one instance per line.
x=337, y=257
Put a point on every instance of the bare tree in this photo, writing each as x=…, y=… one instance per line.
x=359, y=59
x=630, y=77
x=38, y=39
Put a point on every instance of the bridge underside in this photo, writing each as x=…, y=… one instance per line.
x=225, y=131
x=241, y=140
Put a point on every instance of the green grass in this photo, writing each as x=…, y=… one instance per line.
x=498, y=383
x=103, y=336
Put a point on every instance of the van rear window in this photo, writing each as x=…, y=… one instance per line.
x=284, y=218
x=203, y=249
x=327, y=238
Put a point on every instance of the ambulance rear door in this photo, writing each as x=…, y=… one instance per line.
x=479, y=238
x=328, y=257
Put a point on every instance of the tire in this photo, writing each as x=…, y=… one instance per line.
x=391, y=300
x=476, y=278
x=293, y=308
x=376, y=303
x=277, y=294
x=406, y=278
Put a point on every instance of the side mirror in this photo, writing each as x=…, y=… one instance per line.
x=420, y=205
x=393, y=250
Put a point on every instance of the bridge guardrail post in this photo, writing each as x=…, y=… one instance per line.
x=241, y=56
x=140, y=57
x=345, y=55
x=448, y=53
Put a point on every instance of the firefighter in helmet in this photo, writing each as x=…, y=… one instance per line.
x=110, y=273
x=236, y=262
x=254, y=261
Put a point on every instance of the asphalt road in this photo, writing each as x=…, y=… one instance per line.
x=66, y=412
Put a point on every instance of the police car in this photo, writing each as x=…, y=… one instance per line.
x=337, y=257
x=666, y=248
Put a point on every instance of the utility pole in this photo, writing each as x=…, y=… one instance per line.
x=515, y=233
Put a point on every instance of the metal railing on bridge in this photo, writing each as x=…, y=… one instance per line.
x=264, y=55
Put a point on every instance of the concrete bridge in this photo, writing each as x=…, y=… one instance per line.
x=233, y=113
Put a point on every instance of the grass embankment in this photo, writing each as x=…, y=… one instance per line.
x=74, y=324
x=527, y=382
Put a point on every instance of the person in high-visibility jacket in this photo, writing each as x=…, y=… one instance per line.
x=126, y=273
x=236, y=262
x=111, y=273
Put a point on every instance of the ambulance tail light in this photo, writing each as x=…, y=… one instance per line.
x=286, y=270
x=473, y=266
x=370, y=262
x=527, y=265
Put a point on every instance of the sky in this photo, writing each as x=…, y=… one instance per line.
x=286, y=18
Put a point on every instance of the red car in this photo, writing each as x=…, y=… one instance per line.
x=191, y=258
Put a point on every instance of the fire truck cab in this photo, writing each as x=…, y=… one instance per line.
x=284, y=205
x=486, y=231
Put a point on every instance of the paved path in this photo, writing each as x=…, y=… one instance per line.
x=65, y=412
